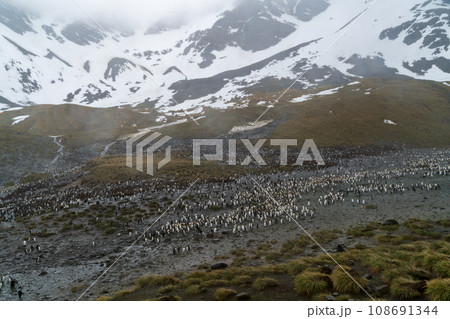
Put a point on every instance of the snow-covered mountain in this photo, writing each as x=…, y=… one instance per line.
x=257, y=46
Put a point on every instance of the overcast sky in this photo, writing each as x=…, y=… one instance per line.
x=134, y=12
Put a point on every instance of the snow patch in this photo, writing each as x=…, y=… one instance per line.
x=19, y=119
x=308, y=97
x=249, y=126
x=148, y=129
x=6, y=108
x=389, y=122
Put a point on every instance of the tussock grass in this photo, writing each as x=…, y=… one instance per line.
x=403, y=288
x=193, y=290
x=269, y=269
x=376, y=263
x=155, y=280
x=190, y=281
x=324, y=235
x=323, y=260
x=238, y=261
x=359, y=232
x=415, y=223
x=288, y=246
x=294, y=267
x=404, y=268
x=426, y=233
x=273, y=255
x=222, y=294
x=415, y=272
x=427, y=260
x=444, y=222
x=438, y=289
x=346, y=285
x=196, y=275
x=311, y=283
x=214, y=274
x=303, y=242
x=442, y=268
x=389, y=228
x=441, y=247
x=389, y=239
x=241, y=280
x=264, y=283
x=119, y=295
x=166, y=289
x=411, y=247
x=351, y=254
x=233, y=272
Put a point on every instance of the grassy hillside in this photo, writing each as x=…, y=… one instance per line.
x=350, y=117
x=79, y=125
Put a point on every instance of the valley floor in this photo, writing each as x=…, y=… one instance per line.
x=238, y=221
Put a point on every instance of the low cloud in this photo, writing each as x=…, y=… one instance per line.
x=134, y=13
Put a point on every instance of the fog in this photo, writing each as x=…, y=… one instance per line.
x=132, y=13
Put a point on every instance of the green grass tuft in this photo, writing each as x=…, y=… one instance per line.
x=294, y=267
x=311, y=283
x=264, y=283
x=442, y=268
x=273, y=255
x=376, y=263
x=166, y=289
x=345, y=284
x=155, y=280
x=222, y=294
x=404, y=288
x=241, y=280
x=389, y=239
x=193, y=290
x=438, y=290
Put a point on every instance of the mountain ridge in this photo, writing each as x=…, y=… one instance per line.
x=76, y=62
